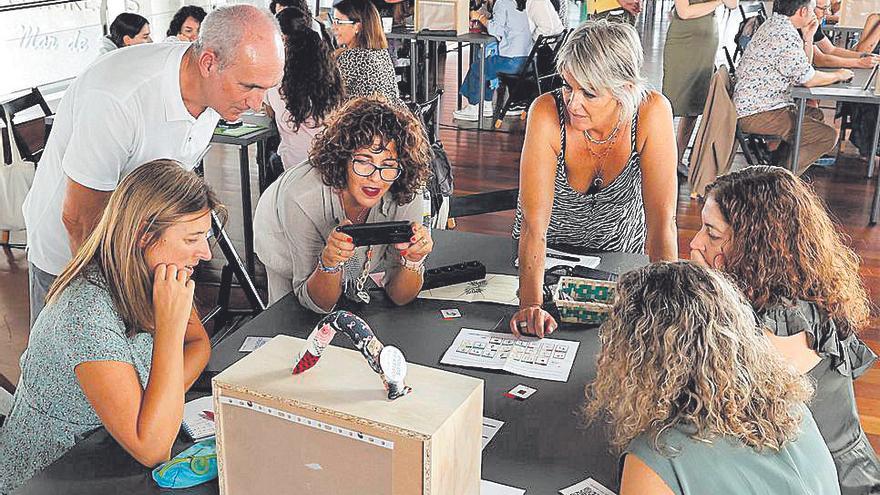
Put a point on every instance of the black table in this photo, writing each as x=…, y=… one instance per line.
x=542, y=447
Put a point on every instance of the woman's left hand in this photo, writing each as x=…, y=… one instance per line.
x=420, y=244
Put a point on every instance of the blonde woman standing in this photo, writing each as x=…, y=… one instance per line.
x=698, y=399
x=119, y=341
x=689, y=61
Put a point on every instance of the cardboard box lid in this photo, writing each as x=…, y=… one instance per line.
x=343, y=384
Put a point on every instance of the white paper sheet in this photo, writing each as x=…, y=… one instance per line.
x=490, y=428
x=547, y=359
x=587, y=487
x=557, y=258
x=494, y=288
x=492, y=488
x=252, y=343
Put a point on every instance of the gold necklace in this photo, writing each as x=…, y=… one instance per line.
x=598, y=181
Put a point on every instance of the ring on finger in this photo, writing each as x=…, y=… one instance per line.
x=424, y=242
x=338, y=252
x=522, y=324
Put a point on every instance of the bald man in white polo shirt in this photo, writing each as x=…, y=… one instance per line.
x=135, y=105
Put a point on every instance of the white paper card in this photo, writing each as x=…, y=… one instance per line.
x=547, y=359
x=490, y=428
x=492, y=488
x=450, y=313
x=587, y=487
x=494, y=288
x=198, y=418
x=253, y=343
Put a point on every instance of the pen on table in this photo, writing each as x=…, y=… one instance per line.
x=562, y=257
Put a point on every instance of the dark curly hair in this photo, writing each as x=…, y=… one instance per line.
x=355, y=126
x=182, y=15
x=313, y=93
x=785, y=246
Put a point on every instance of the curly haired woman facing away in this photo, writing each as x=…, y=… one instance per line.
x=305, y=97
x=366, y=166
x=697, y=397
x=769, y=231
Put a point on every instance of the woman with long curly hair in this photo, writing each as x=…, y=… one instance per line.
x=366, y=166
x=305, y=97
x=771, y=234
x=697, y=398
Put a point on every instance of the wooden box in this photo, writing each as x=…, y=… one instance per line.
x=854, y=13
x=332, y=430
x=447, y=16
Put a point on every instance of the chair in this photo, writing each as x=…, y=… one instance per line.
x=427, y=112
x=16, y=106
x=538, y=74
x=753, y=15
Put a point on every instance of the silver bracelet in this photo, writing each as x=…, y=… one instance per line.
x=414, y=266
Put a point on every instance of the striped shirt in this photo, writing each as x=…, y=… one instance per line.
x=612, y=219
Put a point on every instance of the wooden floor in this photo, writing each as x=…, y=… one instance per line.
x=490, y=160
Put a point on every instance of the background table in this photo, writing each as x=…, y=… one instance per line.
x=543, y=445
x=849, y=92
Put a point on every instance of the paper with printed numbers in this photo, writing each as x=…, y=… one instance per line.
x=587, y=487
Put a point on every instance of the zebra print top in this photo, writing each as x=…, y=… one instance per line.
x=612, y=219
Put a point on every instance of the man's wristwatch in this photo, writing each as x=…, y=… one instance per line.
x=415, y=266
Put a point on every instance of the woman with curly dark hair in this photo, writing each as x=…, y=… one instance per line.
x=305, y=97
x=366, y=166
x=186, y=23
x=770, y=232
x=697, y=399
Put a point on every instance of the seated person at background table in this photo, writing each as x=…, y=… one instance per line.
x=509, y=23
x=119, y=341
x=305, y=97
x=697, y=398
x=825, y=54
x=126, y=30
x=771, y=234
x=614, y=10
x=302, y=6
x=362, y=57
x=870, y=35
x=185, y=24
x=598, y=165
x=161, y=100
x=775, y=60
x=368, y=165
x=543, y=18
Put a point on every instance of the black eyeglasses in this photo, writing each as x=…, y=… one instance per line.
x=366, y=168
x=345, y=22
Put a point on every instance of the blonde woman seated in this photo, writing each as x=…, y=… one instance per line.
x=368, y=165
x=770, y=232
x=598, y=165
x=119, y=341
x=698, y=399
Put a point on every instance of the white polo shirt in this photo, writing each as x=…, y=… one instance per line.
x=121, y=112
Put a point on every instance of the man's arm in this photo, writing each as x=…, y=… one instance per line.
x=825, y=54
x=821, y=78
x=80, y=212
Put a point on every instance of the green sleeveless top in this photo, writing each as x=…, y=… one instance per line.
x=725, y=465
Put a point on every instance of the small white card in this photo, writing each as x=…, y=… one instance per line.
x=587, y=487
x=521, y=392
x=450, y=313
x=492, y=488
x=490, y=428
x=253, y=343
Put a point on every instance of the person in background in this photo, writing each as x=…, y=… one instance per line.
x=686, y=380
x=130, y=107
x=302, y=6
x=126, y=30
x=119, y=341
x=689, y=62
x=614, y=10
x=185, y=24
x=304, y=98
x=775, y=59
x=543, y=19
x=368, y=165
x=870, y=35
x=362, y=57
x=509, y=23
x=769, y=231
x=597, y=171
